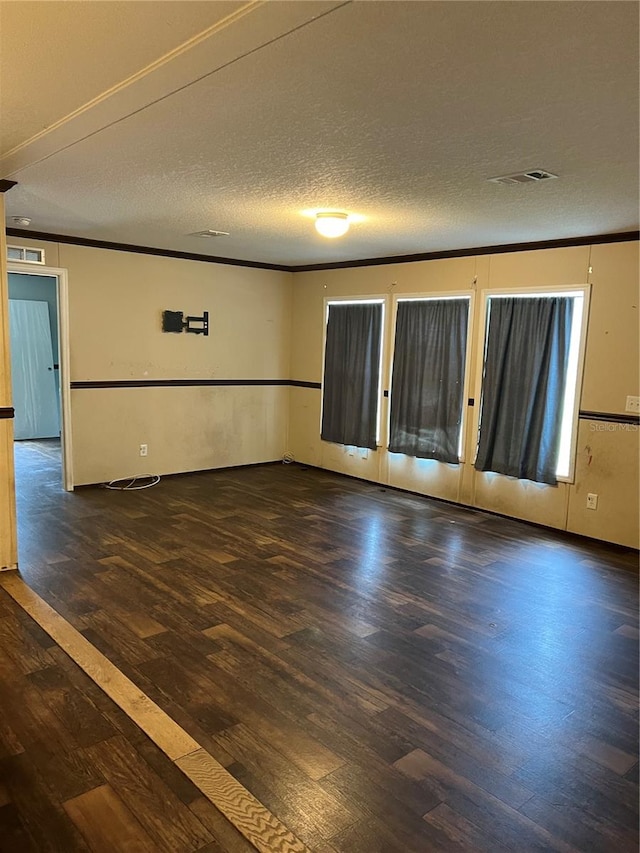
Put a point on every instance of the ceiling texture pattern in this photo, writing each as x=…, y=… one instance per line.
x=143, y=122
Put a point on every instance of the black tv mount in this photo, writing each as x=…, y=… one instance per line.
x=175, y=321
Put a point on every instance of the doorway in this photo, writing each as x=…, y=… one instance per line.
x=38, y=335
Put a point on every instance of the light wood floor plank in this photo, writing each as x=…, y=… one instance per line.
x=107, y=824
x=253, y=820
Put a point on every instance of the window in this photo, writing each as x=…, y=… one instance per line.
x=352, y=364
x=27, y=256
x=427, y=386
x=532, y=368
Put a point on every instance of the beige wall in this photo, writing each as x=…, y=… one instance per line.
x=611, y=373
x=8, y=545
x=116, y=301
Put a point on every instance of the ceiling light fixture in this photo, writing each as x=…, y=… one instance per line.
x=331, y=223
x=24, y=221
x=209, y=232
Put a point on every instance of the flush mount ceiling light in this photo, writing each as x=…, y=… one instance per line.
x=209, y=232
x=330, y=223
x=23, y=221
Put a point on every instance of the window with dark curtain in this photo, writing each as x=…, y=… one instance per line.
x=352, y=374
x=427, y=385
x=525, y=372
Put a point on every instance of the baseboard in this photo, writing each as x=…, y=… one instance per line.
x=182, y=473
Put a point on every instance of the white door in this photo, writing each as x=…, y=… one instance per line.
x=35, y=398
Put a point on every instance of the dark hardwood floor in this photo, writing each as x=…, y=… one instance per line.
x=75, y=773
x=384, y=672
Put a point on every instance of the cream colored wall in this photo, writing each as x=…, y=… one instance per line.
x=186, y=429
x=607, y=462
x=116, y=301
x=8, y=544
x=611, y=373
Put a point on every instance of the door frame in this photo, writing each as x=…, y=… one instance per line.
x=62, y=297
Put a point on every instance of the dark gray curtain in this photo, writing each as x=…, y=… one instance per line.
x=428, y=378
x=525, y=372
x=351, y=374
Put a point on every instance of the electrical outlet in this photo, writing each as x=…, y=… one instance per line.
x=633, y=404
x=144, y=449
x=592, y=501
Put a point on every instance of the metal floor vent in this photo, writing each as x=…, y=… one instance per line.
x=532, y=177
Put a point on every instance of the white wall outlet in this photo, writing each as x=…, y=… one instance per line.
x=633, y=404
x=592, y=501
x=144, y=449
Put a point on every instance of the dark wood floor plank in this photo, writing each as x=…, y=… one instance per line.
x=479, y=770
x=13, y=835
x=42, y=817
x=482, y=808
x=561, y=776
x=577, y=827
x=77, y=713
x=461, y=834
x=27, y=655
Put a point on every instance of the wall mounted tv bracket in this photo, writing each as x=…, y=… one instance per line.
x=175, y=321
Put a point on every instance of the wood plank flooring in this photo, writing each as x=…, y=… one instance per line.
x=75, y=773
x=249, y=816
x=381, y=671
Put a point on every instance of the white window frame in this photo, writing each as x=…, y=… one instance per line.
x=357, y=300
x=23, y=259
x=523, y=292
x=431, y=296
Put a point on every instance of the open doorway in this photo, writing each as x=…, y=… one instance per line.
x=39, y=371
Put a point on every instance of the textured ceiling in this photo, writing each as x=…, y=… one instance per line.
x=57, y=56
x=396, y=111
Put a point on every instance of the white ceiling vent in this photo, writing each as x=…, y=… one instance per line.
x=532, y=177
x=209, y=232
x=25, y=255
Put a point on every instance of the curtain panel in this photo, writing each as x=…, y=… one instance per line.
x=351, y=383
x=428, y=378
x=527, y=352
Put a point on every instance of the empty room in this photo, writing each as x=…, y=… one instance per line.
x=319, y=426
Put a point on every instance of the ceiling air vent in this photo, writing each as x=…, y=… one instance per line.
x=532, y=177
x=209, y=232
x=25, y=255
